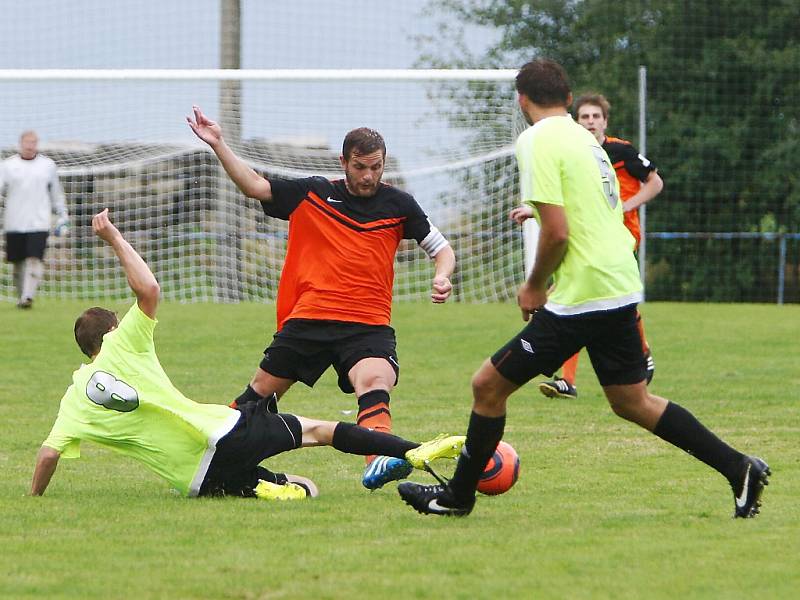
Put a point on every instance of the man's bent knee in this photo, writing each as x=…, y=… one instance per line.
x=490, y=390
x=372, y=373
x=634, y=403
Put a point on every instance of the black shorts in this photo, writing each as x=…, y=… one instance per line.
x=20, y=246
x=259, y=434
x=611, y=337
x=304, y=349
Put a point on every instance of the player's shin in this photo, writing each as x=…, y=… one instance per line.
x=570, y=369
x=353, y=439
x=32, y=275
x=19, y=271
x=250, y=395
x=680, y=428
x=374, y=413
x=483, y=435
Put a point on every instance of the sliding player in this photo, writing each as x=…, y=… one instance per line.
x=122, y=399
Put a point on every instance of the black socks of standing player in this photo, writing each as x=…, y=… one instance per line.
x=353, y=439
x=483, y=435
x=250, y=395
x=680, y=428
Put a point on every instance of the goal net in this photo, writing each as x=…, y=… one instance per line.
x=121, y=141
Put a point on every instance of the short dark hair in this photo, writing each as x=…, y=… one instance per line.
x=544, y=82
x=362, y=141
x=594, y=100
x=90, y=328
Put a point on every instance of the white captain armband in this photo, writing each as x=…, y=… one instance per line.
x=433, y=242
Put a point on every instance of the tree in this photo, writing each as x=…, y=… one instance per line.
x=722, y=125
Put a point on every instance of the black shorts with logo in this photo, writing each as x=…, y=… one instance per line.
x=259, y=434
x=20, y=246
x=611, y=338
x=304, y=349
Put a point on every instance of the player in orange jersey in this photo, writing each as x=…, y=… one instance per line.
x=335, y=294
x=639, y=183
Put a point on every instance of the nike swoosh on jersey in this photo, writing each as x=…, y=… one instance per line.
x=329, y=199
x=741, y=500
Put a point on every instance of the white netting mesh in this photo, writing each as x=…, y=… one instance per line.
x=202, y=238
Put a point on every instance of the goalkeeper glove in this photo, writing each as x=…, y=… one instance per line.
x=61, y=227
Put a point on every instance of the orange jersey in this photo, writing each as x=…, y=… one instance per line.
x=340, y=255
x=632, y=169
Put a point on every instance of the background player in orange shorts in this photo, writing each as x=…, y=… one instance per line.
x=639, y=183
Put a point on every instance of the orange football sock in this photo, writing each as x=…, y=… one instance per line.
x=373, y=413
x=570, y=368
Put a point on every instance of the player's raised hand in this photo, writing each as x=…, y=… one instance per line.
x=207, y=130
x=103, y=227
x=441, y=289
x=520, y=214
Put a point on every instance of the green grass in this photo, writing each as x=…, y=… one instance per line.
x=602, y=509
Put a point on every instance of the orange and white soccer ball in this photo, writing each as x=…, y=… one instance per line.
x=501, y=472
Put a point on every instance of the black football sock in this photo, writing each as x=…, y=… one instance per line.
x=680, y=428
x=267, y=475
x=350, y=438
x=483, y=435
x=248, y=395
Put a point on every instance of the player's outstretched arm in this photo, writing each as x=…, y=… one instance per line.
x=46, y=463
x=246, y=179
x=140, y=277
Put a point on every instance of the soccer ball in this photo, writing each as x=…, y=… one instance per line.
x=501, y=471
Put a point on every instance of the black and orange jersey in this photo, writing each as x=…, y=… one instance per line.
x=632, y=169
x=339, y=262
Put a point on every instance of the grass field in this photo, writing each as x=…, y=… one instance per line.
x=602, y=509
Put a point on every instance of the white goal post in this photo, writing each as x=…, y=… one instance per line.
x=120, y=140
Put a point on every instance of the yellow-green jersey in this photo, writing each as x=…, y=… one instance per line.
x=123, y=400
x=561, y=163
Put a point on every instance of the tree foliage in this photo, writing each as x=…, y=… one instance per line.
x=722, y=124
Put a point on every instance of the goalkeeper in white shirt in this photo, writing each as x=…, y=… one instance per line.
x=32, y=194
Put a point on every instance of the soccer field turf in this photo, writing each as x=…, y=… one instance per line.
x=601, y=509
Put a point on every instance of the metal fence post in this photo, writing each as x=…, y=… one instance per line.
x=781, y=266
x=643, y=150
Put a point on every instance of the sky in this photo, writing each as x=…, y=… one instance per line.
x=184, y=34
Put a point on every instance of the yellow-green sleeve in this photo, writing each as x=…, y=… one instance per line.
x=61, y=440
x=539, y=170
